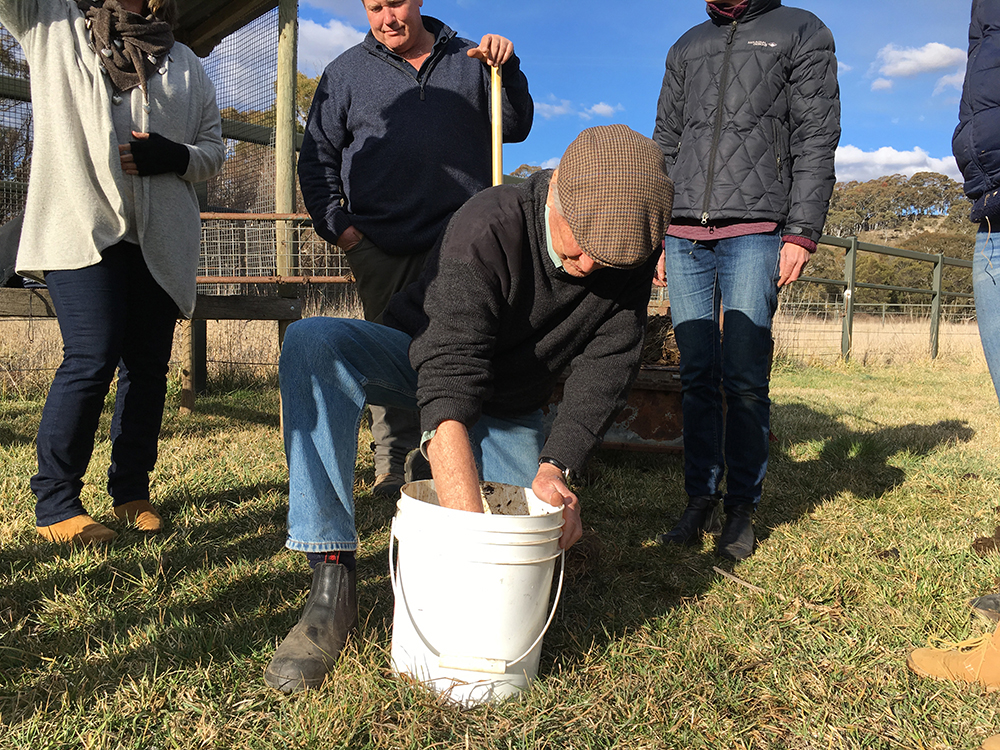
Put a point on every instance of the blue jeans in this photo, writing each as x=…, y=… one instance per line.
x=329, y=369
x=986, y=286
x=111, y=315
x=724, y=434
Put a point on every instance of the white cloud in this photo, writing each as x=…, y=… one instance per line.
x=602, y=109
x=843, y=67
x=881, y=84
x=554, y=108
x=350, y=10
x=855, y=164
x=893, y=61
x=551, y=163
x=954, y=81
x=318, y=45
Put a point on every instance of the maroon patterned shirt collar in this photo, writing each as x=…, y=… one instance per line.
x=729, y=13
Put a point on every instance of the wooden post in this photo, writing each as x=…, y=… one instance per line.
x=284, y=151
x=187, y=369
x=936, y=300
x=850, y=275
x=496, y=90
x=284, y=136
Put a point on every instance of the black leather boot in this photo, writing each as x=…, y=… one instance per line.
x=738, y=540
x=311, y=648
x=700, y=515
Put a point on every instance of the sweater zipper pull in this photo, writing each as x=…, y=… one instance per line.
x=704, y=219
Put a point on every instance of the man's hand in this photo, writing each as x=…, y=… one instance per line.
x=660, y=275
x=349, y=238
x=550, y=486
x=494, y=50
x=793, y=260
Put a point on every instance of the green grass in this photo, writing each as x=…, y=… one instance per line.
x=880, y=480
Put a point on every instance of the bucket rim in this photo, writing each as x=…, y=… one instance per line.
x=500, y=517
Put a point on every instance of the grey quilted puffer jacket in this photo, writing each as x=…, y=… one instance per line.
x=749, y=120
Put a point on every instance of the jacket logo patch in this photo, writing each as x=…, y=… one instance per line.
x=762, y=44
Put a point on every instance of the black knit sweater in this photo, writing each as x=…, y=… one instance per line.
x=495, y=323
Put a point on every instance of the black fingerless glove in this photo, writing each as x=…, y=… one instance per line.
x=159, y=155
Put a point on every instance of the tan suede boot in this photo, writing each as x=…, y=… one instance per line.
x=80, y=529
x=972, y=660
x=991, y=743
x=141, y=514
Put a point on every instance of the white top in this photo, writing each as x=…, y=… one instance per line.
x=75, y=207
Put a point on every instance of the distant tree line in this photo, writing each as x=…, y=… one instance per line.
x=927, y=213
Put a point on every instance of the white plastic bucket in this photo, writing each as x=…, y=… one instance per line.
x=472, y=593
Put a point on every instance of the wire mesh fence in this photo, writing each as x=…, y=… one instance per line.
x=244, y=67
x=15, y=128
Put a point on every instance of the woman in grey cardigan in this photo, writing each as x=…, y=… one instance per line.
x=125, y=123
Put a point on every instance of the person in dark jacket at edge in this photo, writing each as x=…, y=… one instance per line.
x=398, y=138
x=528, y=281
x=976, y=145
x=748, y=120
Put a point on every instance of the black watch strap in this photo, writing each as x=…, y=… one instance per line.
x=557, y=463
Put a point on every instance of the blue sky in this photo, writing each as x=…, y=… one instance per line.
x=591, y=63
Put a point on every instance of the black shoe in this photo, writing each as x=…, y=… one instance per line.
x=311, y=648
x=987, y=607
x=388, y=485
x=737, y=541
x=700, y=515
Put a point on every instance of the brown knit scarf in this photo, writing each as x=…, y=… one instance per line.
x=130, y=46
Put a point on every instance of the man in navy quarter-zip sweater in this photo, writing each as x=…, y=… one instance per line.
x=748, y=121
x=398, y=138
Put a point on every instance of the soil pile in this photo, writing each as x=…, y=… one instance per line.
x=659, y=347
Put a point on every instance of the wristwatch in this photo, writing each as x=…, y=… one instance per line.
x=557, y=463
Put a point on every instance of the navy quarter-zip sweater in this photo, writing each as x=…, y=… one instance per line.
x=394, y=151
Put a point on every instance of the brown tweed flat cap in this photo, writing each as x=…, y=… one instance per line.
x=614, y=192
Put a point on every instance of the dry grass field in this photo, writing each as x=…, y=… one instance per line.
x=881, y=477
x=893, y=341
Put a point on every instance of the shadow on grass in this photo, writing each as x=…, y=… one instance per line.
x=18, y=422
x=629, y=581
x=209, y=592
x=244, y=412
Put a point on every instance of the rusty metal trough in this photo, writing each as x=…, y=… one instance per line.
x=651, y=420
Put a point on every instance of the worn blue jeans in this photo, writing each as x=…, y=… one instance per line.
x=329, y=369
x=724, y=378
x=986, y=286
x=112, y=315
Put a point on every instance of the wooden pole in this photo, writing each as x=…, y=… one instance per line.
x=187, y=369
x=284, y=134
x=496, y=89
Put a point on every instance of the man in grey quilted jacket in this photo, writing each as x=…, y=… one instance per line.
x=748, y=121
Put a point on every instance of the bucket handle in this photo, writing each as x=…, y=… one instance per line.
x=473, y=663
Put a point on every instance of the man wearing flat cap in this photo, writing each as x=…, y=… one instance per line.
x=527, y=282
